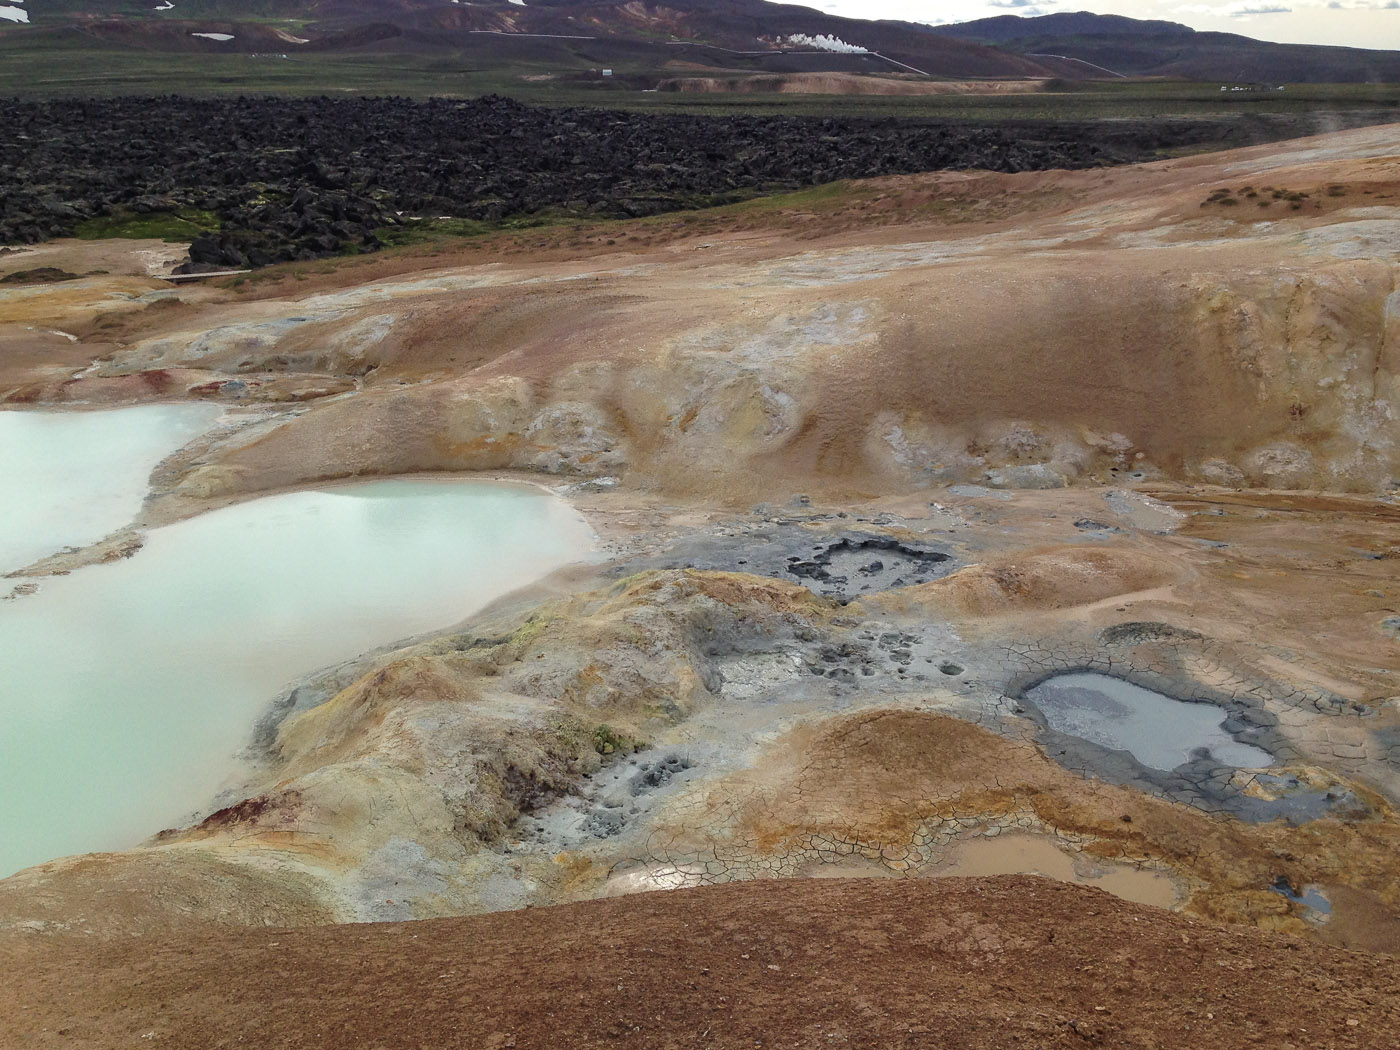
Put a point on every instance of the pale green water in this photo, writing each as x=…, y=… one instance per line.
x=68, y=479
x=126, y=688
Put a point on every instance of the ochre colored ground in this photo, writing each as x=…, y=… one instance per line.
x=960, y=964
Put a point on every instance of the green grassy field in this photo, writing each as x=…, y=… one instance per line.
x=68, y=63
x=169, y=226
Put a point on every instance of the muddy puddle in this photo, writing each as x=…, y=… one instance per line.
x=865, y=564
x=978, y=857
x=1314, y=903
x=1021, y=854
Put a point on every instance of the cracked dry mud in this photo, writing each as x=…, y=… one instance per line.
x=840, y=547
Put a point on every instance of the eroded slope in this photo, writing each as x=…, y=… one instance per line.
x=1134, y=321
x=970, y=964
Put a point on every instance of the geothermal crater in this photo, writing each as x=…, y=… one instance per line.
x=918, y=555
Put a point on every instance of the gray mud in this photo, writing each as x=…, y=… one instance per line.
x=818, y=553
x=1158, y=731
x=1170, y=661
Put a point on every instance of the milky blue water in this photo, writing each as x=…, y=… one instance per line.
x=127, y=688
x=68, y=479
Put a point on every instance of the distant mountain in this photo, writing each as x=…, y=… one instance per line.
x=646, y=37
x=1137, y=48
x=820, y=42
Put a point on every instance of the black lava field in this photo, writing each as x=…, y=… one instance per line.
x=286, y=179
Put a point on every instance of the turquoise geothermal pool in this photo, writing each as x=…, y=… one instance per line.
x=129, y=687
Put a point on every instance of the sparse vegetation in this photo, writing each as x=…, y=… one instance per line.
x=609, y=741
x=182, y=225
x=39, y=275
x=1263, y=197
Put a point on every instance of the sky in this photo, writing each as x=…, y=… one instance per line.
x=1355, y=23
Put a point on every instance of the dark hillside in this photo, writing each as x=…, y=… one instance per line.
x=751, y=32
x=1015, y=29
x=736, y=25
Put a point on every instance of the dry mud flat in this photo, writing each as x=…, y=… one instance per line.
x=861, y=498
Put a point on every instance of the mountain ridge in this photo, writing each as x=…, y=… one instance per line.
x=770, y=37
x=1137, y=48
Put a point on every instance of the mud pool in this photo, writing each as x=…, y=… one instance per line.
x=131, y=686
x=1317, y=908
x=834, y=561
x=1158, y=731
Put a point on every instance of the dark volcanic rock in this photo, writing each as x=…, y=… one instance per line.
x=39, y=275
x=301, y=178
x=306, y=177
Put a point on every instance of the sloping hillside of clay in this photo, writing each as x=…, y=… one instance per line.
x=1226, y=319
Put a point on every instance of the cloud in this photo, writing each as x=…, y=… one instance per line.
x=1240, y=9
x=1250, y=8
x=1029, y=8
x=1350, y=23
